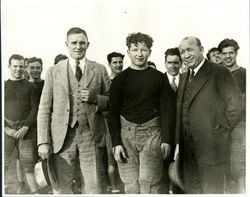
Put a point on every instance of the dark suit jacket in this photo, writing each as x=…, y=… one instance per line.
x=214, y=108
x=53, y=113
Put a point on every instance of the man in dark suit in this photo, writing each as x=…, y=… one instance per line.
x=68, y=124
x=172, y=64
x=208, y=108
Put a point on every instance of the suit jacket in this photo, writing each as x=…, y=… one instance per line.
x=53, y=113
x=214, y=108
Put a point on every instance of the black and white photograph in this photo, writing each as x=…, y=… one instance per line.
x=117, y=97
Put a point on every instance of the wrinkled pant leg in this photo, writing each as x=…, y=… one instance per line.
x=90, y=158
x=129, y=171
x=151, y=163
x=65, y=162
x=9, y=146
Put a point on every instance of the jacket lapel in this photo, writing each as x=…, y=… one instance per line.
x=63, y=74
x=198, y=82
x=88, y=73
x=181, y=88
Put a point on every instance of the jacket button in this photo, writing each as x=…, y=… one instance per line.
x=67, y=110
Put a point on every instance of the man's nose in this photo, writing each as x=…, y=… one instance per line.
x=139, y=52
x=78, y=46
x=186, y=54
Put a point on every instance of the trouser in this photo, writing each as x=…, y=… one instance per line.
x=166, y=184
x=78, y=143
x=26, y=152
x=142, y=170
x=198, y=177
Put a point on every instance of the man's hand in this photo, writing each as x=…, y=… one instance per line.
x=165, y=148
x=21, y=132
x=119, y=153
x=44, y=150
x=10, y=132
x=88, y=96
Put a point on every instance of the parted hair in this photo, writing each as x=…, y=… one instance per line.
x=15, y=57
x=76, y=30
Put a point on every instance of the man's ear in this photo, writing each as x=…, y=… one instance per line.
x=202, y=49
x=66, y=43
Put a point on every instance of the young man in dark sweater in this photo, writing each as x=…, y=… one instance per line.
x=34, y=68
x=229, y=49
x=141, y=119
x=21, y=105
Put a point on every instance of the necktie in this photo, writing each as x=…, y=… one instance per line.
x=78, y=73
x=191, y=75
x=173, y=84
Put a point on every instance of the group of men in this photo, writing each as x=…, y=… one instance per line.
x=140, y=118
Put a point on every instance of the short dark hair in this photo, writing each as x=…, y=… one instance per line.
x=35, y=59
x=59, y=57
x=214, y=49
x=16, y=57
x=228, y=43
x=76, y=30
x=134, y=38
x=114, y=54
x=172, y=51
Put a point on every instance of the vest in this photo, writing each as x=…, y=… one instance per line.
x=78, y=109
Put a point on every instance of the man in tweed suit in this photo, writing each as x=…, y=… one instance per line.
x=69, y=125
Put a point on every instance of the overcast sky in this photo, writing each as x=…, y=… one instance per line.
x=38, y=28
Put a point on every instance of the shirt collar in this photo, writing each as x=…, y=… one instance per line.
x=199, y=66
x=72, y=63
x=170, y=77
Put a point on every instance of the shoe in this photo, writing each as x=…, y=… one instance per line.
x=115, y=191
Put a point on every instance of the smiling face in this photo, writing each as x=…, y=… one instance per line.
x=191, y=53
x=77, y=45
x=16, y=69
x=116, y=65
x=35, y=70
x=139, y=54
x=229, y=56
x=215, y=57
x=173, y=64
